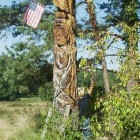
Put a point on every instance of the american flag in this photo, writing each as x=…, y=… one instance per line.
x=33, y=13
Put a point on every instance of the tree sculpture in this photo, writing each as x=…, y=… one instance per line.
x=64, y=71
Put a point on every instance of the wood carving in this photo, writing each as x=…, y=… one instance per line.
x=65, y=5
x=64, y=71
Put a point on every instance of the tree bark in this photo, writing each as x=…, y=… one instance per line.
x=64, y=71
x=131, y=62
x=106, y=77
x=93, y=20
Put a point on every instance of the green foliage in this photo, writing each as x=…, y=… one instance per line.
x=99, y=78
x=119, y=116
x=12, y=20
x=121, y=10
x=45, y=1
x=45, y=92
x=11, y=16
x=23, y=70
x=59, y=127
x=82, y=80
x=25, y=67
x=128, y=69
x=86, y=72
x=7, y=91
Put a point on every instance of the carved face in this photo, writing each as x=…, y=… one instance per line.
x=60, y=36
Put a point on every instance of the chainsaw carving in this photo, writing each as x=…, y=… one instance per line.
x=64, y=71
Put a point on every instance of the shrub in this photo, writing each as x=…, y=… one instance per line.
x=120, y=117
x=46, y=92
x=59, y=127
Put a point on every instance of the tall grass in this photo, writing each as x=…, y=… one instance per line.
x=18, y=119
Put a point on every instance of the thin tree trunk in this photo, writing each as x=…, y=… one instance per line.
x=106, y=77
x=93, y=20
x=132, y=82
x=131, y=39
x=64, y=71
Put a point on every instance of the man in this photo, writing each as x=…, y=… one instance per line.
x=84, y=115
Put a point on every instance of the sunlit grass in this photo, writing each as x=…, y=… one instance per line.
x=18, y=119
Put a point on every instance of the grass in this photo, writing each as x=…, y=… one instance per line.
x=19, y=120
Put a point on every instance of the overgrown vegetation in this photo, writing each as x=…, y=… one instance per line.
x=26, y=71
x=116, y=116
x=59, y=127
x=19, y=119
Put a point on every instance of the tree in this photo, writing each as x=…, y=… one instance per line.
x=97, y=37
x=25, y=70
x=123, y=15
x=64, y=54
x=6, y=93
x=28, y=66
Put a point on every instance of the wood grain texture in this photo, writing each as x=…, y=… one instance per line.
x=64, y=72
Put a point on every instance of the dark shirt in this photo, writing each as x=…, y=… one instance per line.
x=84, y=106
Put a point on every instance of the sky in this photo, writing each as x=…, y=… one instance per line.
x=8, y=2
x=9, y=40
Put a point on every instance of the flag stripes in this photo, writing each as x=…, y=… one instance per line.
x=33, y=14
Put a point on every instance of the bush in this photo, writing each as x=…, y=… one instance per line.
x=46, y=92
x=7, y=93
x=59, y=127
x=120, y=117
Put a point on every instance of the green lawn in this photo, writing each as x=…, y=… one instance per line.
x=21, y=120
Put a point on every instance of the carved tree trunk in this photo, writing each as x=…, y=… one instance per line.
x=64, y=78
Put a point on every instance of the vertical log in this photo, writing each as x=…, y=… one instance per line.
x=64, y=71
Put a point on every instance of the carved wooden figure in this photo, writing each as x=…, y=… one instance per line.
x=64, y=71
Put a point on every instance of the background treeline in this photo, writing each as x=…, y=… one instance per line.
x=24, y=71
x=28, y=73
